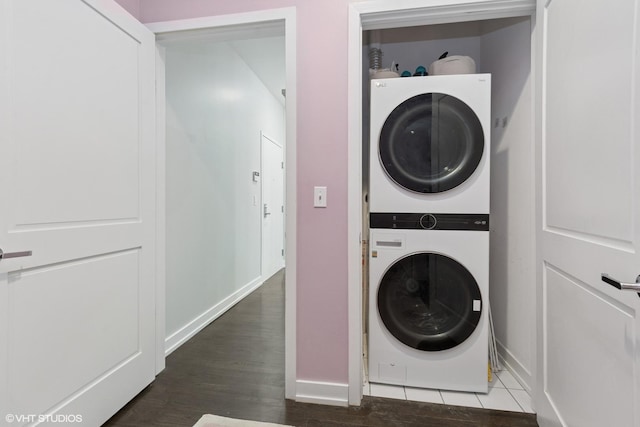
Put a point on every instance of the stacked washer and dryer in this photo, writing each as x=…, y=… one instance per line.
x=429, y=231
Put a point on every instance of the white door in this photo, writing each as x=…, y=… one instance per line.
x=77, y=173
x=272, y=207
x=588, y=331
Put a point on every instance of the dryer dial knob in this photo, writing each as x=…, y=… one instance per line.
x=428, y=221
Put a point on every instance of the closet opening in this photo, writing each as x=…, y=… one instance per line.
x=501, y=48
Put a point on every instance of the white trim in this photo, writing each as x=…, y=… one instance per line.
x=379, y=14
x=250, y=20
x=334, y=394
x=534, y=199
x=181, y=336
x=217, y=23
x=354, y=216
x=513, y=365
x=161, y=212
x=291, y=203
x=228, y=33
x=388, y=14
x=540, y=397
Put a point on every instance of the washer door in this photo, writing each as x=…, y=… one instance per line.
x=429, y=302
x=431, y=143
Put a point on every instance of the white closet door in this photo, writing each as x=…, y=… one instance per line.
x=589, y=332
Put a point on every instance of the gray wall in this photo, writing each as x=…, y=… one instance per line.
x=506, y=54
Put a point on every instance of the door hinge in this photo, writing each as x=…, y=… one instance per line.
x=282, y=209
x=282, y=252
x=281, y=165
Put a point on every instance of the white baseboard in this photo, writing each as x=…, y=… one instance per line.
x=521, y=374
x=334, y=394
x=181, y=336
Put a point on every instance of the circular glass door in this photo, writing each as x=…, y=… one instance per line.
x=431, y=143
x=429, y=302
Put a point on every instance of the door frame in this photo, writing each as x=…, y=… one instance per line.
x=377, y=15
x=161, y=211
x=227, y=25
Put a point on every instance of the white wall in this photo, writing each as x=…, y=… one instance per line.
x=216, y=109
x=506, y=54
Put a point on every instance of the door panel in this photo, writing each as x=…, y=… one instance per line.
x=76, y=354
x=588, y=371
x=92, y=85
x=589, y=144
x=77, y=318
x=273, y=207
x=587, y=330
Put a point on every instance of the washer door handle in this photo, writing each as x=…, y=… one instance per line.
x=389, y=243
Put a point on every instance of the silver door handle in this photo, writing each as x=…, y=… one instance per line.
x=621, y=285
x=265, y=211
x=4, y=255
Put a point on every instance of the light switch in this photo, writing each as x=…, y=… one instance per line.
x=320, y=197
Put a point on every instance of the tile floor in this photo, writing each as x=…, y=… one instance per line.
x=505, y=394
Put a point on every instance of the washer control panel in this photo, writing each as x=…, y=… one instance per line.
x=429, y=221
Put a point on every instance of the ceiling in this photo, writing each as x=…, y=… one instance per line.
x=266, y=58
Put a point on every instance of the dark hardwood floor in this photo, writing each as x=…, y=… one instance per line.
x=235, y=368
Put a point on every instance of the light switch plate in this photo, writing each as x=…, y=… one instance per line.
x=320, y=197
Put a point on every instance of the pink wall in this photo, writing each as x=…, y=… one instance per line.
x=322, y=326
x=132, y=6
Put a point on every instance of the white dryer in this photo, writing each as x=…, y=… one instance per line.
x=429, y=284
x=430, y=140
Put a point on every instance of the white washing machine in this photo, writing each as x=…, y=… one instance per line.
x=430, y=140
x=429, y=284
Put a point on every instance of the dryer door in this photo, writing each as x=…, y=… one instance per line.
x=429, y=301
x=431, y=143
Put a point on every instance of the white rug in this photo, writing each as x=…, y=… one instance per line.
x=209, y=420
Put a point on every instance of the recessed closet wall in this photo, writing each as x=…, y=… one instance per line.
x=501, y=47
x=216, y=108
